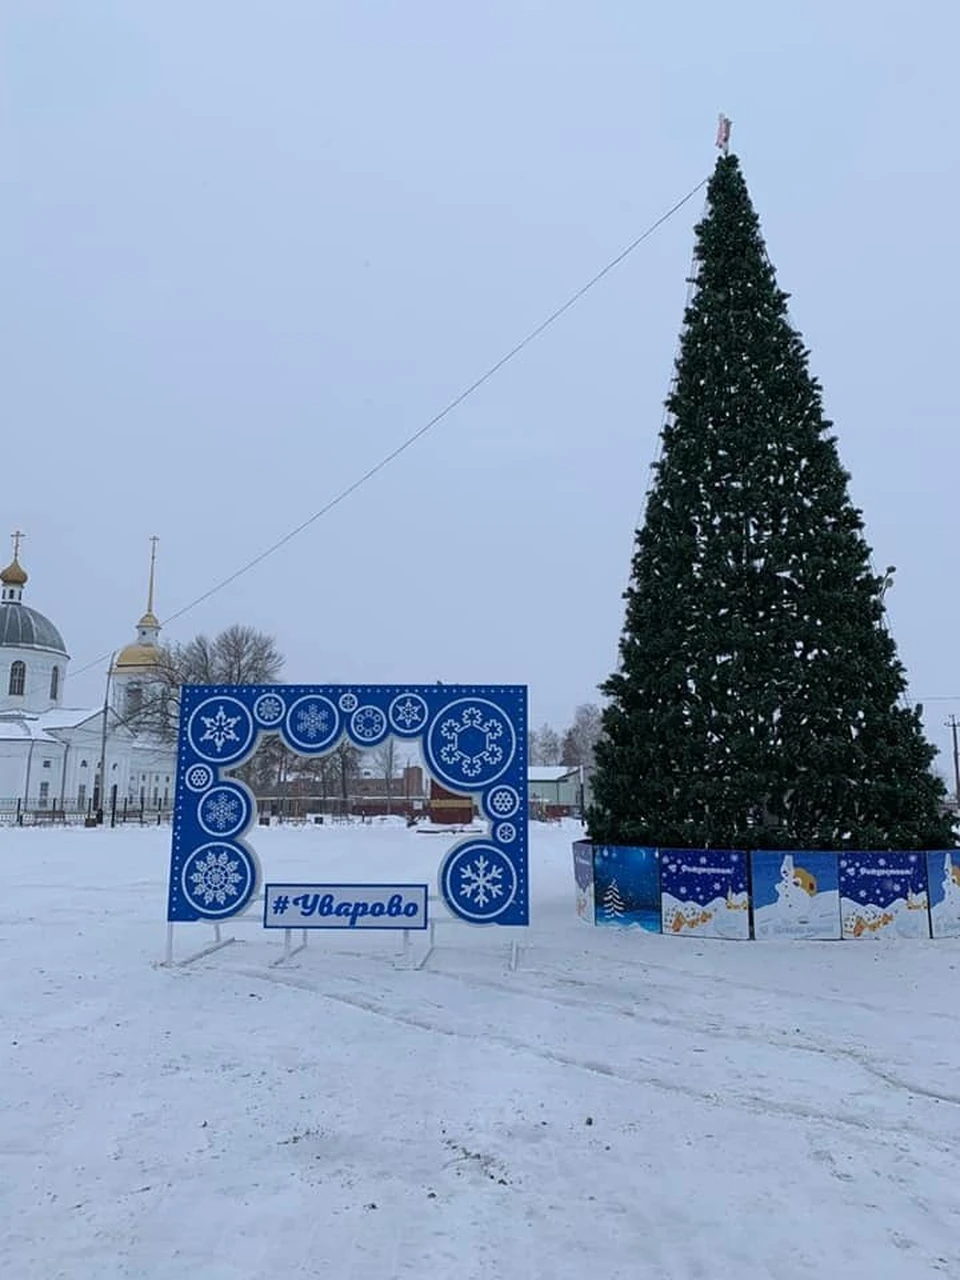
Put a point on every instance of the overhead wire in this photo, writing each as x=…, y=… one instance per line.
x=417, y=435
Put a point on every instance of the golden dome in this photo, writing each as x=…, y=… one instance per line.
x=14, y=575
x=137, y=655
x=150, y=619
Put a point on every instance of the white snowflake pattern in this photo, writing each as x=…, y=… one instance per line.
x=408, y=713
x=503, y=801
x=467, y=734
x=312, y=721
x=506, y=833
x=368, y=723
x=220, y=729
x=220, y=812
x=269, y=709
x=216, y=877
x=199, y=777
x=349, y=702
x=481, y=881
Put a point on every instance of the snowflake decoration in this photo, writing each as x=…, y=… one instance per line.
x=312, y=722
x=199, y=777
x=220, y=729
x=472, y=742
x=220, y=812
x=216, y=877
x=410, y=713
x=349, y=702
x=268, y=709
x=503, y=802
x=481, y=882
x=368, y=723
x=506, y=833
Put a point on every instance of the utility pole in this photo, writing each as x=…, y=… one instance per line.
x=101, y=797
x=954, y=724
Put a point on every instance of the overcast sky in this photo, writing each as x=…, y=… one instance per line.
x=247, y=248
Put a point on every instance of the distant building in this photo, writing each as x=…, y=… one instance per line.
x=557, y=789
x=50, y=754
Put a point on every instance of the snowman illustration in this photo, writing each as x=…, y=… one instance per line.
x=950, y=907
x=796, y=890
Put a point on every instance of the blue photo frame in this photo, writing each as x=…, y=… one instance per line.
x=473, y=740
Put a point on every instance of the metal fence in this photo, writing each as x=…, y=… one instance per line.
x=37, y=811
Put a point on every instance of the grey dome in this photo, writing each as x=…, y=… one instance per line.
x=24, y=628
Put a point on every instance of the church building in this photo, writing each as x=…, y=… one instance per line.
x=52, y=756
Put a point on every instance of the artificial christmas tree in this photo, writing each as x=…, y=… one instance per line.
x=758, y=701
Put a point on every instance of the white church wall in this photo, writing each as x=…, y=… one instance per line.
x=13, y=757
x=39, y=666
x=31, y=772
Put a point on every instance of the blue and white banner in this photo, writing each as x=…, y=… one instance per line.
x=884, y=895
x=795, y=895
x=704, y=892
x=345, y=906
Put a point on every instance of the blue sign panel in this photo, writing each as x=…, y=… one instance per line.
x=943, y=877
x=345, y=906
x=627, y=886
x=795, y=895
x=473, y=740
x=884, y=894
x=704, y=892
x=583, y=877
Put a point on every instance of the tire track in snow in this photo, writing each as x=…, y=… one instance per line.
x=746, y=1101
x=729, y=1031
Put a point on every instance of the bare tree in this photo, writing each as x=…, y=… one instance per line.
x=384, y=760
x=581, y=737
x=546, y=746
x=345, y=759
x=237, y=655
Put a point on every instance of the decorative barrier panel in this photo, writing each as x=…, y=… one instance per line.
x=583, y=877
x=626, y=880
x=943, y=877
x=769, y=894
x=884, y=894
x=705, y=892
x=795, y=895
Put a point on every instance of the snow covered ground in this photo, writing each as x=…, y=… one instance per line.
x=623, y=1105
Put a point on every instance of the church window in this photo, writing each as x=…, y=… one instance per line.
x=134, y=699
x=18, y=679
x=54, y=684
x=44, y=794
x=47, y=763
x=83, y=764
